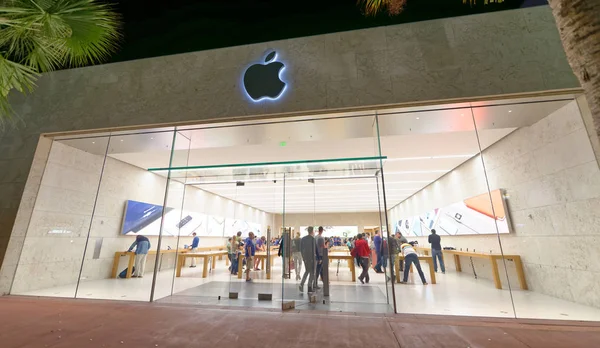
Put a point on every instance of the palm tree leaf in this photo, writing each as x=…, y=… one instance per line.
x=13, y=76
x=374, y=7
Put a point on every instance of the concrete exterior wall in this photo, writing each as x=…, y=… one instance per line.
x=490, y=54
x=552, y=181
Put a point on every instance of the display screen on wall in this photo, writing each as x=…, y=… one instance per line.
x=145, y=219
x=473, y=215
x=333, y=231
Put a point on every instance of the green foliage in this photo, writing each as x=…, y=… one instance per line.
x=38, y=36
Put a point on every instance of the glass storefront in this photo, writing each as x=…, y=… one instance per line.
x=189, y=214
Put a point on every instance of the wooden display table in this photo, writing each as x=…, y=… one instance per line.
x=200, y=254
x=427, y=258
x=344, y=255
x=262, y=255
x=493, y=258
x=131, y=254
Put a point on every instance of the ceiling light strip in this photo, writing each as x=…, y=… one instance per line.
x=270, y=164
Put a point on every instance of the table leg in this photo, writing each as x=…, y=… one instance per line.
x=115, y=269
x=520, y=273
x=496, y=273
x=240, y=266
x=214, y=262
x=227, y=261
x=457, y=263
x=431, y=271
x=353, y=270
x=205, y=266
x=262, y=263
x=397, y=267
x=180, y=261
x=130, y=265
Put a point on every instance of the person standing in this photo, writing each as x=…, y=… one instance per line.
x=401, y=238
x=297, y=255
x=235, y=246
x=194, y=248
x=436, y=251
x=411, y=257
x=362, y=252
x=142, y=246
x=261, y=245
x=321, y=245
x=250, y=248
x=377, y=244
x=308, y=251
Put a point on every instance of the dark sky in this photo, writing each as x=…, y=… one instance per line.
x=154, y=28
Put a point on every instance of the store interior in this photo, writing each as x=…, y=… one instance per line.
x=511, y=186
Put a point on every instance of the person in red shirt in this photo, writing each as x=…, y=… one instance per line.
x=362, y=251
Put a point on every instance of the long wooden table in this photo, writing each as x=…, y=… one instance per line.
x=341, y=255
x=205, y=255
x=493, y=258
x=262, y=255
x=426, y=258
x=131, y=254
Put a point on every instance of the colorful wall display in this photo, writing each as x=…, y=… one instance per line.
x=474, y=215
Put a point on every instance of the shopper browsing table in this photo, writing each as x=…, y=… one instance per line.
x=436, y=251
x=297, y=255
x=411, y=257
x=194, y=248
x=142, y=246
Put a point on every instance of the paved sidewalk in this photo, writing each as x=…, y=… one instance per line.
x=32, y=322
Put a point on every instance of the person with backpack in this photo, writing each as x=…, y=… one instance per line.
x=142, y=246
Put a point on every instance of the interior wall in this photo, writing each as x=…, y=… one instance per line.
x=329, y=219
x=552, y=182
x=66, y=200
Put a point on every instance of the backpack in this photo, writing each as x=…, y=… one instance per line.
x=123, y=274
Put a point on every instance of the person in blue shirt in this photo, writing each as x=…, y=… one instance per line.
x=142, y=246
x=261, y=244
x=194, y=248
x=377, y=242
x=250, y=250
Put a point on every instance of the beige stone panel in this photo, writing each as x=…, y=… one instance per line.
x=42, y=222
x=70, y=157
x=45, y=275
x=566, y=152
x=584, y=286
x=564, y=121
x=75, y=179
x=52, y=199
x=48, y=250
x=579, y=218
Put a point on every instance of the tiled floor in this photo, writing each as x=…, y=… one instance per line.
x=454, y=294
x=65, y=323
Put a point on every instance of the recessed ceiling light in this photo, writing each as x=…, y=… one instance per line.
x=417, y=118
x=151, y=138
x=509, y=110
x=121, y=139
x=93, y=142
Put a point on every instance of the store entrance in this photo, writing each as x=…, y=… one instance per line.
x=288, y=213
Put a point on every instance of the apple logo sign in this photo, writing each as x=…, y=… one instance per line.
x=263, y=81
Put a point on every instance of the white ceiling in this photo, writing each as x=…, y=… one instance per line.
x=420, y=147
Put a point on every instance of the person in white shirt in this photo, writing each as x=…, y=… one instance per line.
x=411, y=257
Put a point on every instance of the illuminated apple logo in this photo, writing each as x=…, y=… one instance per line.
x=263, y=81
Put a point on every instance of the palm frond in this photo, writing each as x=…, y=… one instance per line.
x=47, y=34
x=374, y=7
x=13, y=76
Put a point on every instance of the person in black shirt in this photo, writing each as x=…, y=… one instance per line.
x=436, y=251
